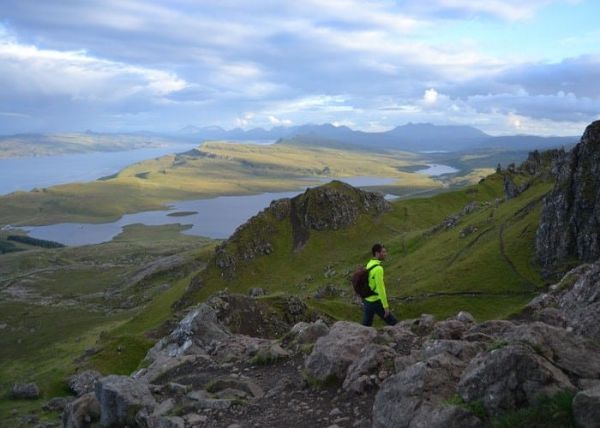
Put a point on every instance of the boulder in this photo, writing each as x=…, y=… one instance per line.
x=493, y=328
x=57, y=404
x=333, y=353
x=410, y=397
x=449, y=329
x=586, y=408
x=82, y=412
x=400, y=338
x=573, y=354
x=463, y=350
x=121, y=398
x=256, y=292
x=446, y=416
x=304, y=333
x=26, y=391
x=552, y=316
x=509, y=378
x=82, y=383
x=465, y=317
x=374, y=364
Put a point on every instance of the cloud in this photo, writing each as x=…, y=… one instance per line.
x=430, y=96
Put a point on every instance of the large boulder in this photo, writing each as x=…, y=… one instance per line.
x=82, y=412
x=586, y=408
x=413, y=397
x=510, y=377
x=333, y=354
x=463, y=350
x=121, y=398
x=571, y=353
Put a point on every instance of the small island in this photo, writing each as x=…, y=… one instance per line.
x=182, y=213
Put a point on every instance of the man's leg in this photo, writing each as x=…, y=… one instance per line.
x=390, y=319
x=368, y=313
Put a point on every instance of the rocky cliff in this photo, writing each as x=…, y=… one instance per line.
x=569, y=231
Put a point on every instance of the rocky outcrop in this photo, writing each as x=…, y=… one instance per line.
x=329, y=207
x=586, y=408
x=121, y=398
x=84, y=382
x=569, y=230
x=574, y=302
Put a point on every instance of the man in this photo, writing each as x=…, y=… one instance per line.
x=377, y=303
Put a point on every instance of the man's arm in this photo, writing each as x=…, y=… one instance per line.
x=380, y=288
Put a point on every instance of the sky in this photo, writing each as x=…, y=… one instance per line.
x=505, y=67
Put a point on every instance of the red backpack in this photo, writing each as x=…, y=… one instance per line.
x=360, y=281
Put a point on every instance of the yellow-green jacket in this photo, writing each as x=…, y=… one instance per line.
x=376, y=283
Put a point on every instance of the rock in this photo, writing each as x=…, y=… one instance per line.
x=465, y=317
x=463, y=350
x=449, y=329
x=308, y=333
x=121, y=398
x=372, y=360
x=269, y=354
x=25, y=391
x=509, y=378
x=162, y=367
x=82, y=412
x=493, y=328
x=333, y=354
x=57, y=404
x=552, y=316
x=586, y=408
x=423, y=326
x=256, y=292
x=400, y=338
x=247, y=386
x=447, y=416
x=570, y=225
x=82, y=383
x=571, y=353
x=164, y=407
x=214, y=403
x=416, y=392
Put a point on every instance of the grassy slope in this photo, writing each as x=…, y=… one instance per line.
x=489, y=272
x=75, y=302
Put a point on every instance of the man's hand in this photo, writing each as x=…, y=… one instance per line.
x=386, y=312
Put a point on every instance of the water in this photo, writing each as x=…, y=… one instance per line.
x=44, y=171
x=435, y=170
x=215, y=218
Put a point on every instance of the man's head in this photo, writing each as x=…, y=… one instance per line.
x=379, y=252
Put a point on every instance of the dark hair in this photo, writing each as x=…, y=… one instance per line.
x=377, y=248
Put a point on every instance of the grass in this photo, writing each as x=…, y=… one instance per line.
x=40, y=342
x=555, y=411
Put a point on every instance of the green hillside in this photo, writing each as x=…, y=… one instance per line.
x=484, y=264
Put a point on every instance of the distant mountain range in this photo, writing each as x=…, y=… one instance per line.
x=413, y=137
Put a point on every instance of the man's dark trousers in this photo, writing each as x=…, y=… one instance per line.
x=372, y=308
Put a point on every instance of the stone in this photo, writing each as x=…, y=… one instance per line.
x=82, y=412
x=449, y=329
x=586, y=408
x=510, y=378
x=121, y=398
x=82, y=383
x=400, y=338
x=447, y=416
x=463, y=350
x=372, y=359
x=465, y=317
x=572, y=353
x=552, y=316
x=25, y=391
x=416, y=391
x=251, y=388
x=57, y=404
x=308, y=333
x=493, y=328
x=256, y=292
x=333, y=353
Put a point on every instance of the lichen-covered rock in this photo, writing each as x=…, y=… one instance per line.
x=374, y=364
x=121, y=398
x=410, y=397
x=304, y=333
x=463, y=350
x=586, y=408
x=509, y=378
x=570, y=222
x=82, y=412
x=82, y=383
x=333, y=353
